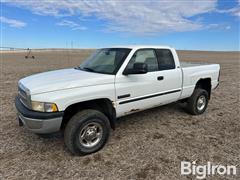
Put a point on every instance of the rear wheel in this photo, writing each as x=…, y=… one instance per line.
x=197, y=103
x=86, y=132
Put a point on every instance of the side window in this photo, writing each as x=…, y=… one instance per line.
x=165, y=59
x=145, y=56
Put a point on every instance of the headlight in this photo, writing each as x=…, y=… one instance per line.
x=44, y=107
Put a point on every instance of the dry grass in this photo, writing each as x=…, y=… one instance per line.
x=146, y=145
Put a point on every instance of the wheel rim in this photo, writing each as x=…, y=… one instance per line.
x=201, y=103
x=91, y=134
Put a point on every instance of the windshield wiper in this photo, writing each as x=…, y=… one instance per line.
x=88, y=69
x=78, y=67
x=85, y=68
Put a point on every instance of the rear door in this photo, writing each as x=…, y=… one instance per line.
x=169, y=77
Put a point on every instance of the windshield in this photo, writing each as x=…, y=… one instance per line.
x=106, y=61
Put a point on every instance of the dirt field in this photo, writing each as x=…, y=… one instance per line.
x=146, y=145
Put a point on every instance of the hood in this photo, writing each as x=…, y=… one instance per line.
x=64, y=79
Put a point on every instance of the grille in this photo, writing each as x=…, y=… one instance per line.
x=24, y=97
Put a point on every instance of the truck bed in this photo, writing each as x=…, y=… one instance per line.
x=192, y=64
x=192, y=72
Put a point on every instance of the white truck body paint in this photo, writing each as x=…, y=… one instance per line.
x=69, y=86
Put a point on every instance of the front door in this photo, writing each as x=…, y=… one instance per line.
x=160, y=85
x=132, y=90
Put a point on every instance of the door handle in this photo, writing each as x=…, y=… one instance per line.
x=159, y=78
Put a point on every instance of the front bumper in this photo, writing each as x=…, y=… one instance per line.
x=38, y=122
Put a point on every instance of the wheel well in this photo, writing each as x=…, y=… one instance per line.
x=205, y=84
x=103, y=105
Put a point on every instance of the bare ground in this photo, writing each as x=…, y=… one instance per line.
x=146, y=145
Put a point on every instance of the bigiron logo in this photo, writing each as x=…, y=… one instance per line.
x=202, y=171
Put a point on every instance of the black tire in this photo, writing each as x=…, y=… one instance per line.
x=192, y=102
x=77, y=123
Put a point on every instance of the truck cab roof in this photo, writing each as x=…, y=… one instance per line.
x=142, y=46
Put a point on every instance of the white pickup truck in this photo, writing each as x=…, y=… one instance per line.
x=85, y=101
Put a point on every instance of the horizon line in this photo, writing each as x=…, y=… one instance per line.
x=92, y=48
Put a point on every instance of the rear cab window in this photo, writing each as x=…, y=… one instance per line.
x=165, y=59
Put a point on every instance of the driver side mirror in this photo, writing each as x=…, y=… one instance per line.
x=138, y=68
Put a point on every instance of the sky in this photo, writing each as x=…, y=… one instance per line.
x=183, y=24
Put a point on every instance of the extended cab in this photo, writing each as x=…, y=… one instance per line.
x=85, y=101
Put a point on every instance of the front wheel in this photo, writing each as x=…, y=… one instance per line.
x=86, y=132
x=197, y=103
